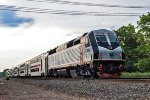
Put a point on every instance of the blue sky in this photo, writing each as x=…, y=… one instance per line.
x=10, y=19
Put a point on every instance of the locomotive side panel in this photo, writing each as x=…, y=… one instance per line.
x=65, y=58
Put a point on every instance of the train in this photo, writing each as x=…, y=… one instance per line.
x=95, y=54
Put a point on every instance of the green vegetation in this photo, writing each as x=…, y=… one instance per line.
x=1, y=74
x=4, y=73
x=136, y=43
x=135, y=75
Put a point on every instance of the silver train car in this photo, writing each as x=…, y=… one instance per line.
x=94, y=54
x=9, y=73
x=37, y=65
x=23, y=70
x=15, y=71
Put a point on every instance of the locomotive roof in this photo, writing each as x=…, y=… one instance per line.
x=105, y=31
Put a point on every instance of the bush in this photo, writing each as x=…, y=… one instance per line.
x=143, y=65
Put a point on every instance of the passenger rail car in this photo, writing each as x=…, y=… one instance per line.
x=37, y=65
x=9, y=73
x=22, y=70
x=15, y=72
x=94, y=54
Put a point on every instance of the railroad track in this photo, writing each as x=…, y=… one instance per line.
x=88, y=79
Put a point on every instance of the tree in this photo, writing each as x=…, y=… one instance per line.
x=129, y=43
x=144, y=49
x=127, y=33
x=143, y=65
x=5, y=72
x=144, y=25
x=137, y=44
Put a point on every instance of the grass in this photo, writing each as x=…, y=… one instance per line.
x=135, y=75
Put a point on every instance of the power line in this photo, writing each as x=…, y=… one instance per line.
x=64, y=12
x=52, y=10
x=88, y=4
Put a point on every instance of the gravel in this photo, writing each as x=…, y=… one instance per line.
x=18, y=90
x=93, y=89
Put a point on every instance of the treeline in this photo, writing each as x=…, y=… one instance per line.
x=4, y=73
x=1, y=74
x=135, y=41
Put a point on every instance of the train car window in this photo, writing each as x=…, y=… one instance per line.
x=35, y=70
x=50, y=52
x=70, y=43
x=54, y=50
x=21, y=71
x=76, y=42
x=15, y=68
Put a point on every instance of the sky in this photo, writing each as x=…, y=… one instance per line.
x=24, y=35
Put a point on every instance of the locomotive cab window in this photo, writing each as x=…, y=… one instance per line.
x=113, y=40
x=101, y=38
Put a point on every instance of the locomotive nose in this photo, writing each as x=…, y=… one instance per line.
x=105, y=54
x=111, y=55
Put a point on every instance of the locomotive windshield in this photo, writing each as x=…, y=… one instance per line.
x=113, y=40
x=101, y=40
x=106, y=41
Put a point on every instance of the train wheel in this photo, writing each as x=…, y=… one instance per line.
x=55, y=73
x=87, y=73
